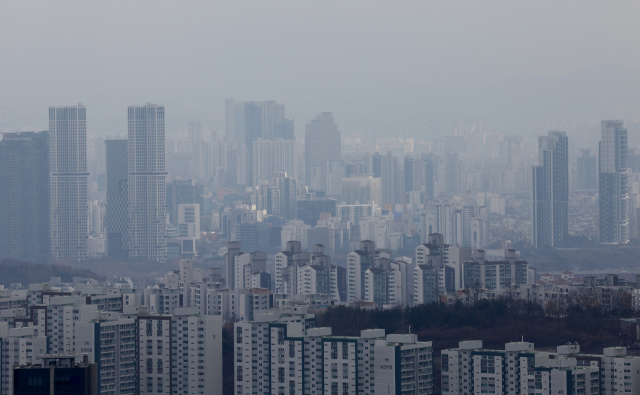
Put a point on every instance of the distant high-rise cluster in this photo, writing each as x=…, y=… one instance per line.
x=146, y=196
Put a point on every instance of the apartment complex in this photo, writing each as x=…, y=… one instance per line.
x=285, y=354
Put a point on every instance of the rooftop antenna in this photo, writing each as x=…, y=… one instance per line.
x=523, y=338
x=409, y=329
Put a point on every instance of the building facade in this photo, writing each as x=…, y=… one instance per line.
x=613, y=187
x=68, y=182
x=550, y=193
x=322, y=144
x=147, y=183
x=24, y=198
x=117, y=210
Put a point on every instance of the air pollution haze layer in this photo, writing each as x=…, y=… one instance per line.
x=380, y=67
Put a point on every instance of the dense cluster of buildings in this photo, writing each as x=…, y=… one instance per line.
x=148, y=197
x=520, y=369
x=167, y=338
x=139, y=341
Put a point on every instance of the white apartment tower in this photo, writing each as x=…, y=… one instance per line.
x=613, y=184
x=68, y=182
x=276, y=356
x=180, y=354
x=147, y=183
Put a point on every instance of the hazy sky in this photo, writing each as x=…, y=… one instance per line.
x=367, y=61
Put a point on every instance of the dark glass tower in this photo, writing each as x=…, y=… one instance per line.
x=550, y=194
x=116, y=216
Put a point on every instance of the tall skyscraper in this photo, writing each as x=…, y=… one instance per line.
x=587, y=177
x=285, y=157
x=550, y=191
x=614, y=194
x=24, y=196
x=453, y=174
x=262, y=158
x=198, y=151
x=68, y=182
x=390, y=179
x=322, y=144
x=147, y=183
x=288, y=187
x=116, y=219
x=429, y=178
x=274, y=156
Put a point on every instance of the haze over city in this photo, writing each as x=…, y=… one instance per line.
x=370, y=63
x=304, y=197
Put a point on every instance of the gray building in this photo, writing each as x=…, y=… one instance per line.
x=117, y=211
x=391, y=190
x=147, y=183
x=614, y=194
x=24, y=196
x=550, y=191
x=322, y=144
x=288, y=188
x=587, y=171
x=182, y=192
x=68, y=182
x=249, y=121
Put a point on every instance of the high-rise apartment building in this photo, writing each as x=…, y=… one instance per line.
x=550, y=191
x=262, y=161
x=273, y=353
x=68, y=182
x=453, y=181
x=322, y=144
x=614, y=194
x=24, y=196
x=390, y=180
x=179, y=353
x=273, y=156
x=111, y=342
x=285, y=157
x=587, y=173
x=288, y=189
x=147, y=183
x=117, y=211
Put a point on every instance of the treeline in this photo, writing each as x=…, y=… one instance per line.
x=17, y=271
x=496, y=322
